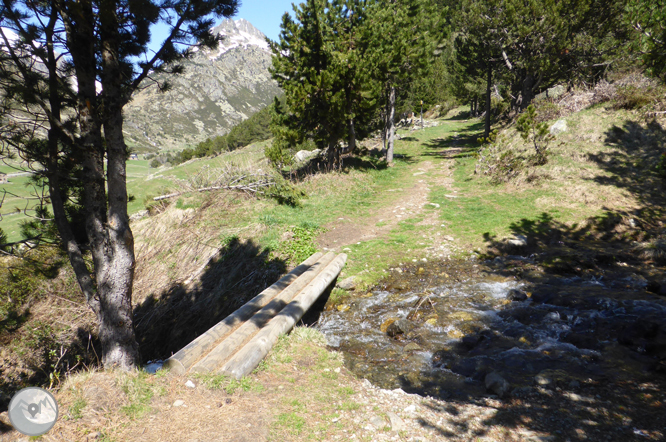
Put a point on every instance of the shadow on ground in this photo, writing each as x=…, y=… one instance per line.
x=580, y=342
x=461, y=145
x=166, y=323
x=631, y=165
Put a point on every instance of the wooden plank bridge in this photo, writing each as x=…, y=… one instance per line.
x=236, y=345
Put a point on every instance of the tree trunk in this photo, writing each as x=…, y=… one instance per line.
x=351, y=144
x=391, y=125
x=115, y=274
x=488, y=86
x=527, y=91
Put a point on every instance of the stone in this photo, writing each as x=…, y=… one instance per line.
x=522, y=391
x=516, y=295
x=138, y=215
x=347, y=283
x=179, y=403
x=559, y=127
x=397, y=424
x=412, y=346
x=399, y=327
x=303, y=155
x=386, y=323
x=410, y=409
x=550, y=378
x=497, y=384
x=190, y=384
x=377, y=422
x=517, y=241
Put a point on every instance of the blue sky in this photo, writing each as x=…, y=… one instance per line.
x=265, y=15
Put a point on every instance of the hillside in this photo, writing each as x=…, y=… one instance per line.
x=218, y=89
x=429, y=228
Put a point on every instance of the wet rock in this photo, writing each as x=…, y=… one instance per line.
x=399, y=327
x=412, y=346
x=516, y=295
x=581, y=340
x=638, y=334
x=497, y=384
x=347, y=283
x=385, y=325
x=543, y=295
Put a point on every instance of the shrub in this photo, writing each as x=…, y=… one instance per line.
x=155, y=163
x=531, y=129
x=633, y=97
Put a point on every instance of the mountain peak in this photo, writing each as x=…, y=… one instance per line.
x=238, y=33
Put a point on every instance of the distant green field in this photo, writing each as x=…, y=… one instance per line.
x=143, y=183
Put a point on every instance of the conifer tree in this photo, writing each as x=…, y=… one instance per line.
x=74, y=67
x=401, y=46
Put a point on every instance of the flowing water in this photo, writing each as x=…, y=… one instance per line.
x=440, y=329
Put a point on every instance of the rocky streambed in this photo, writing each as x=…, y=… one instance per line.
x=507, y=328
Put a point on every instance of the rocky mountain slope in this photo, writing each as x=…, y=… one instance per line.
x=218, y=89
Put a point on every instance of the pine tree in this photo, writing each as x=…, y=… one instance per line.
x=318, y=62
x=74, y=68
x=399, y=49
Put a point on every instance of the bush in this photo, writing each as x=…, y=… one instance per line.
x=531, y=129
x=155, y=163
x=632, y=97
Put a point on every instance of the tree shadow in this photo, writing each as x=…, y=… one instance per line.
x=631, y=164
x=166, y=323
x=579, y=338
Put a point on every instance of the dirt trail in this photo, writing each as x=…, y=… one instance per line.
x=409, y=202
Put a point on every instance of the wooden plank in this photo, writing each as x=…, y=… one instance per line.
x=247, y=358
x=180, y=362
x=230, y=344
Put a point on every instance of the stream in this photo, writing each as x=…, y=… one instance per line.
x=439, y=329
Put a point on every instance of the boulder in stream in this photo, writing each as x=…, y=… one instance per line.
x=516, y=295
x=399, y=327
x=497, y=384
x=347, y=283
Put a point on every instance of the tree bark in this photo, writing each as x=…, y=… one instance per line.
x=116, y=276
x=351, y=144
x=527, y=91
x=391, y=125
x=488, y=86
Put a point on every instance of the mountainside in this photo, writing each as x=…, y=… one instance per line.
x=218, y=89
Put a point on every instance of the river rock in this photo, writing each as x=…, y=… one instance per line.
x=399, y=327
x=517, y=241
x=516, y=295
x=412, y=346
x=559, y=127
x=347, y=283
x=497, y=384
